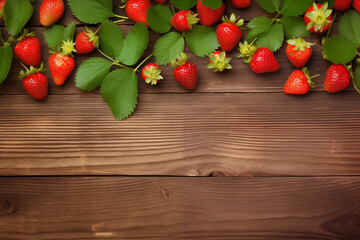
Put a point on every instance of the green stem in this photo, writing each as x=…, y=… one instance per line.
x=123, y=66
x=1, y=39
x=111, y=59
x=332, y=22
x=115, y=62
x=275, y=18
x=24, y=66
x=143, y=62
x=172, y=8
x=314, y=76
x=358, y=54
x=97, y=30
x=118, y=16
x=119, y=21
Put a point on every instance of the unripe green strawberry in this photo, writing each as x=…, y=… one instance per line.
x=208, y=16
x=298, y=51
x=185, y=72
x=337, y=78
x=264, y=61
x=219, y=61
x=229, y=33
x=298, y=83
x=151, y=73
x=318, y=18
x=51, y=11
x=184, y=20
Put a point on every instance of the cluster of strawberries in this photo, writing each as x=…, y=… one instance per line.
x=61, y=64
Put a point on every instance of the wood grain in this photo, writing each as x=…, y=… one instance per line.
x=182, y=134
x=180, y=208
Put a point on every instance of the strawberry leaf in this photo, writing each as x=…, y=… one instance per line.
x=135, y=43
x=270, y=36
x=259, y=25
x=184, y=4
x=294, y=26
x=17, y=13
x=356, y=80
x=158, y=18
x=168, y=47
x=349, y=26
x=202, y=40
x=295, y=7
x=6, y=55
x=339, y=49
x=91, y=72
x=119, y=90
x=330, y=2
x=93, y=11
x=111, y=39
x=213, y=4
x=56, y=34
x=270, y=6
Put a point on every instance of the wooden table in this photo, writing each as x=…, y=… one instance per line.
x=292, y=164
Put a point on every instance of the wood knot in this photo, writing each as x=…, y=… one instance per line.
x=7, y=207
x=216, y=174
x=165, y=192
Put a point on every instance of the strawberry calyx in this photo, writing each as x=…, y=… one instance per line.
x=233, y=19
x=30, y=71
x=192, y=18
x=219, y=62
x=300, y=44
x=307, y=74
x=180, y=60
x=153, y=75
x=247, y=51
x=92, y=37
x=319, y=17
x=68, y=48
x=24, y=35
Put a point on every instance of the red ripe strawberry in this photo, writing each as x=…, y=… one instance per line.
x=219, y=61
x=228, y=33
x=208, y=16
x=356, y=5
x=342, y=5
x=318, y=18
x=36, y=85
x=28, y=50
x=184, y=20
x=264, y=61
x=2, y=2
x=161, y=1
x=298, y=51
x=241, y=3
x=337, y=78
x=298, y=83
x=51, y=11
x=151, y=73
x=185, y=72
x=61, y=67
x=86, y=42
x=136, y=10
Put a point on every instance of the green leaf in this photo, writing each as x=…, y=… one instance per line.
x=56, y=34
x=349, y=26
x=259, y=25
x=91, y=73
x=17, y=13
x=6, y=55
x=119, y=90
x=168, y=47
x=339, y=49
x=92, y=11
x=330, y=2
x=184, y=4
x=213, y=4
x=111, y=39
x=135, y=44
x=357, y=78
x=202, y=40
x=158, y=18
x=295, y=7
x=270, y=37
x=270, y=6
x=294, y=26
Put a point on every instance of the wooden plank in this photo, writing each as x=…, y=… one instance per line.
x=182, y=134
x=180, y=208
x=239, y=79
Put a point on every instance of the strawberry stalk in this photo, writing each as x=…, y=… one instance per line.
x=115, y=62
x=138, y=66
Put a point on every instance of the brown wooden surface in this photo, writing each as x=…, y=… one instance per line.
x=304, y=152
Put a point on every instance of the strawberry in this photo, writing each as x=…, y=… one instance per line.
x=184, y=20
x=62, y=64
x=298, y=51
x=185, y=72
x=86, y=42
x=356, y=5
x=246, y=51
x=337, y=78
x=28, y=50
x=219, y=61
x=2, y=2
x=241, y=3
x=161, y=1
x=151, y=73
x=298, y=83
x=342, y=5
x=35, y=83
x=136, y=10
x=264, y=61
x=51, y=11
x=318, y=18
x=208, y=16
x=228, y=33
